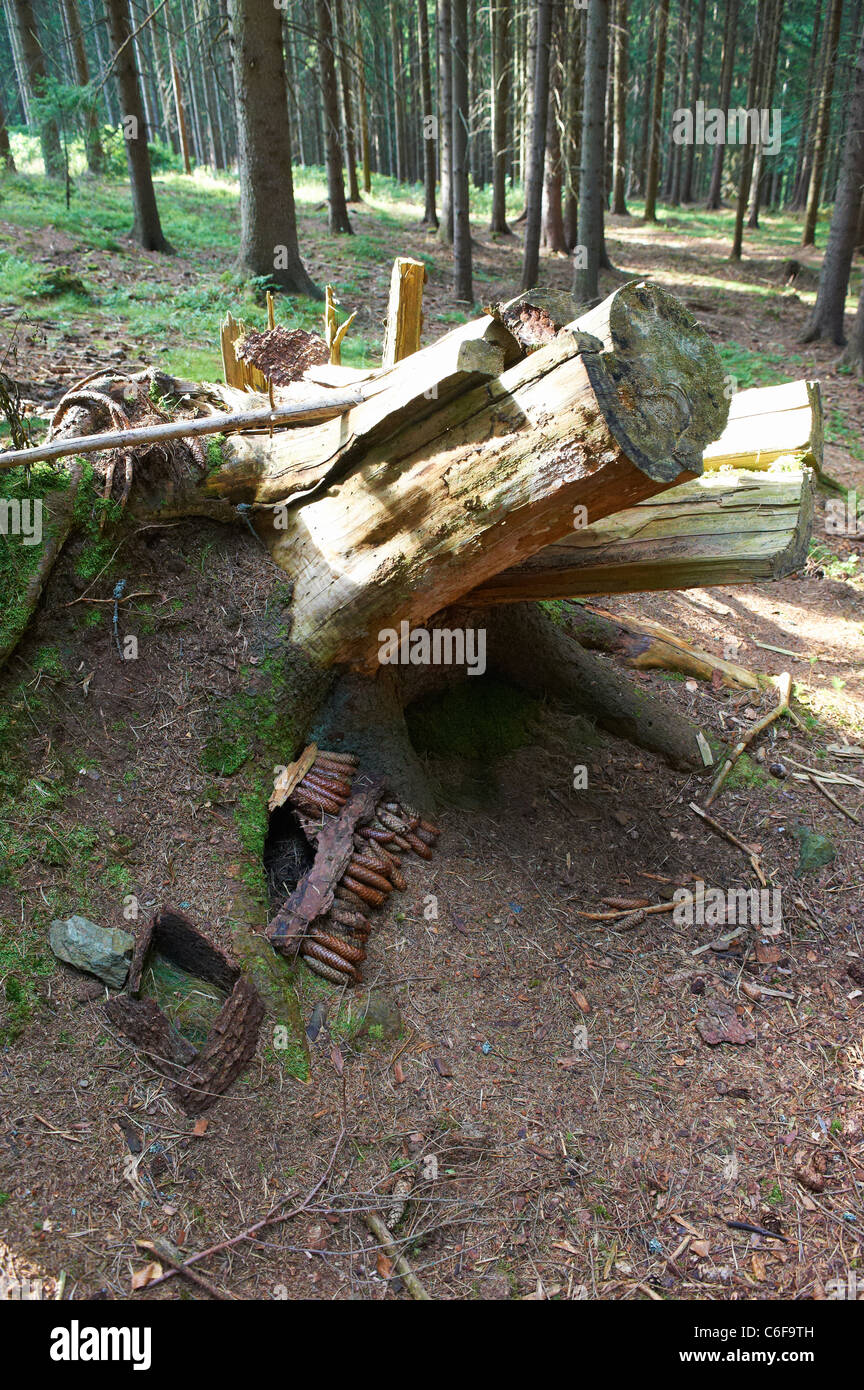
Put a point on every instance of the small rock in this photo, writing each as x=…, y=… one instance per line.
x=778, y=770
x=99, y=951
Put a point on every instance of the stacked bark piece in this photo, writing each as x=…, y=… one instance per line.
x=359, y=832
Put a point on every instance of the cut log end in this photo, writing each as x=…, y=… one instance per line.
x=658, y=380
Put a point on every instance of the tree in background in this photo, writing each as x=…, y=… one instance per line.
x=462, y=280
x=500, y=20
x=339, y=221
x=826, y=320
x=653, y=173
x=36, y=79
x=268, y=228
x=619, y=108
x=445, y=120
x=727, y=71
x=537, y=147
x=590, y=252
x=92, y=139
x=823, y=121
x=147, y=229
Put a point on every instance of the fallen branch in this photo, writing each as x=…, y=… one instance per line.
x=832, y=798
x=275, y=1217
x=160, y=1250
x=388, y=1244
x=733, y=840
x=784, y=686
x=318, y=408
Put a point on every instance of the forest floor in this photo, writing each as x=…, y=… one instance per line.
x=513, y=1154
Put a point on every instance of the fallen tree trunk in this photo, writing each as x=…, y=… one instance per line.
x=616, y=408
x=722, y=528
x=769, y=423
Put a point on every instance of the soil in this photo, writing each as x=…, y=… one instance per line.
x=520, y=1088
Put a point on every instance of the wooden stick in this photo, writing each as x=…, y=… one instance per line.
x=320, y=407
x=832, y=798
x=784, y=686
x=158, y=1249
x=387, y=1239
x=733, y=840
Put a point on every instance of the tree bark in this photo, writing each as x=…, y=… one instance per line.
x=826, y=319
x=180, y=110
x=147, y=229
x=537, y=148
x=730, y=34
x=802, y=162
x=650, y=214
x=673, y=174
x=34, y=66
x=445, y=120
x=347, y=105
x=268, y=235
x=619, y=109
x=92, y=141
x=398, y=94
x=501, y=58
x=690, y=150
x=591, y=194
x=5, y=147
x=766, y=99
x=823, y=122
x=338, y=219
x=462, y=280
x=761, y=42
x=574, y=21
x=430, y=216
x=552, y=236
x=357, y=30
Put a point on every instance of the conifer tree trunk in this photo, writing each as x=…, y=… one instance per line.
x=430, y=216
x=761, y=43
x=823, y=122
x=35, y=75
x=619, y=108
x=347, y=105
x=552, y=226
x=500, y=18
x=802, y=161
x=653, y=177
x=690, y=150
x=766, y=98
x=5, y=147
x=537, y=149
x=826, y=320
x=92, y=141
x=398, y=94
x=590, y=250
x=445, y=120
x=462, y=278
x=147, y=229
x=268, y=228
x=338, y=219
x=729, y=36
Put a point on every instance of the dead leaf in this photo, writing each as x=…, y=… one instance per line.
x=384, y=1266
x=200, y=1126
x=702, y=1248
x=398, y=1074
x=337, y=1059
x=757, y=1264
x=581, y=1002
x=142, y=1277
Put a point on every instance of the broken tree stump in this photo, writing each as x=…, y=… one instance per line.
x=614, y=409
x=404, y=311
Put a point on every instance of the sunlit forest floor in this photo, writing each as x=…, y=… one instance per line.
x=611, y=1171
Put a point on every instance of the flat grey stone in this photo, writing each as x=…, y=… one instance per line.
x=101, y=951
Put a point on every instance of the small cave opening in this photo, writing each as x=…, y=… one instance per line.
x=287, y=855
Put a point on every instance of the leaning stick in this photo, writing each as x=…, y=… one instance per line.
x=784, y=686
x=388, y=1244
x=733, y=840
x=318, y=408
